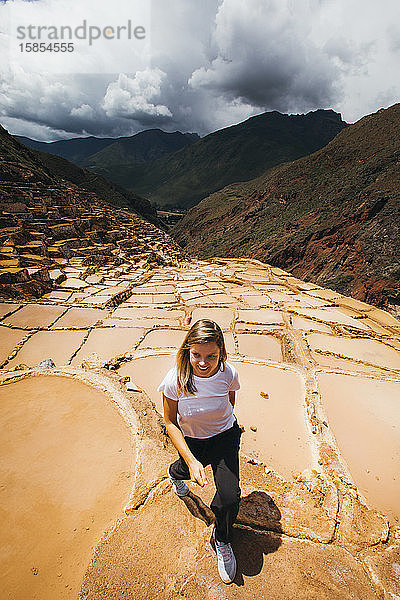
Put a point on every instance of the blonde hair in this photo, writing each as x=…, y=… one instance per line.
x=201, y=332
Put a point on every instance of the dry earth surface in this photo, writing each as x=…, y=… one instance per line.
x=87, y=510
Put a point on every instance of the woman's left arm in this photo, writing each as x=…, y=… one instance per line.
x=232, y=398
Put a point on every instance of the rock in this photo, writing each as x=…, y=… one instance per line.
x=132, y=387
x=20, y=367
x=360, y=526
x=57, y=276
x=305, y=508
x=93, y=361
x=384, y=564
x=46, y=364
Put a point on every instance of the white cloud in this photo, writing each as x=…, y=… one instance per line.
x=131, y=97
x=84, y=111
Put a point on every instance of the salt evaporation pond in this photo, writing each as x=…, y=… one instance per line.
x=66, y=460
x=364, y=415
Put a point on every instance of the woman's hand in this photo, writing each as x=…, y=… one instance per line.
x=197, y=473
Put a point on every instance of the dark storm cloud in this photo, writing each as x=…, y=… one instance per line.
x=266, y=58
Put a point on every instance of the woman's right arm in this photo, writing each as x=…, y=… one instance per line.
x=197, y=472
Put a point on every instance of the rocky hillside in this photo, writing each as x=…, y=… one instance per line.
x=109, y=192
x=237, y=153
x=48, y=224
x=332, y=217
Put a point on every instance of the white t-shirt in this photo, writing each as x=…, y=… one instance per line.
x=208, y=411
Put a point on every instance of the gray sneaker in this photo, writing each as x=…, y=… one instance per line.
x=226, y=561
x=180, y=487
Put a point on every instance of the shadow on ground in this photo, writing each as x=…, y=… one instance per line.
x=249, y=544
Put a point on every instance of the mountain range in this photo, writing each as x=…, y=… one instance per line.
x=179, y=169
x=236, y=153
x=332, y=217
x=102, y=153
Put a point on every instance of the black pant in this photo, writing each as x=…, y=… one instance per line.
x=221, y=451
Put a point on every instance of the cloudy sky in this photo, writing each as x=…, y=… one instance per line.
x=203, y=65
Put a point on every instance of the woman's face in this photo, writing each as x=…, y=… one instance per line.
x=204, y=359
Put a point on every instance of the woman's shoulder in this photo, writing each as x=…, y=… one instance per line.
x=229, y=370
x=229, y=367
x=169, y=380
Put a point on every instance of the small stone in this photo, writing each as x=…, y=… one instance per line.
x=131, y=387
x=35, y=571
x=119, y=449
x=48, y=363
x=253, y=428
x=59, y=574
x=144, y=412
x=264, y=395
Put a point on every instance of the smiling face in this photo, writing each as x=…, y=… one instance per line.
x=204, y=359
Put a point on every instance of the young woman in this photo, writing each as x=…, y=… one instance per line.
x=199, y=396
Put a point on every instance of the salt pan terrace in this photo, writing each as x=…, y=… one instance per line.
x=319, y=372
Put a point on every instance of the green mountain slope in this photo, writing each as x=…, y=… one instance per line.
x=102, y=154
x=237, y=153
x=75, y=150
x=332, y=217
x=143, y=147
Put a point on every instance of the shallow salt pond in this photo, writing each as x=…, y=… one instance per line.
x=282, y=440
x=331, y=315
x=364, y=415
x=7, y=308
x=222, y=316
x=109, y=342
x=260, y=346
x=163, y=338
x=369, y=351
x=260, y=316
x=35, y=315
x=9, y=338
x=257, y=300
x=57, y=345
x=56, y=501
x=307, y=325
x=124, y=311
x=81, y=317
